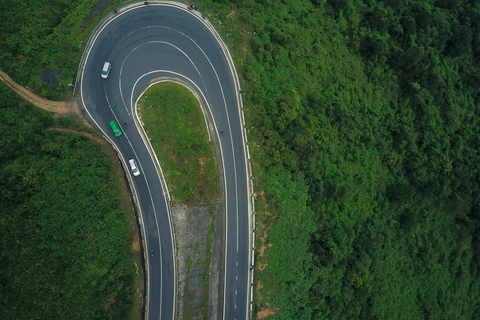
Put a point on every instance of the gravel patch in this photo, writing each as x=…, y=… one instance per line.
x=192, y=224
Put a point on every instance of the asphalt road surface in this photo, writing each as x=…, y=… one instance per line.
x=144, y=44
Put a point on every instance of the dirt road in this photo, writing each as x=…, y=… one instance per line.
x=60, y=107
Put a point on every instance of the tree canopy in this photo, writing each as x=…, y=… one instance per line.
x=372, y=109
x=63, y=238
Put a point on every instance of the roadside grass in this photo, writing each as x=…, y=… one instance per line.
x=177, y=131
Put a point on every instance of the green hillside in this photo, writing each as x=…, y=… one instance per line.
x=65, y=236
x=363, y=119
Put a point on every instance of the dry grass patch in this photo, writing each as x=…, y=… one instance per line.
x=265, y=313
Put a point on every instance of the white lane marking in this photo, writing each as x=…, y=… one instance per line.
x=105, y=134
x=151, y=199
x=132, y=105
x=198, y=90
x=100, y=128
x=231, y=143
x=156, y=41
x=233, y=154
x=229, y=126
x=144, y=44
x=233, y=160
x=100, y=31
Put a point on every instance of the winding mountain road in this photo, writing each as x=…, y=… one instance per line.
x=146, y=44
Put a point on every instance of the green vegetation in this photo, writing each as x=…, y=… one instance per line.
x=65, y=234
x=176, y=127
x=363, y=125
x=364, y=129
x=37, y=35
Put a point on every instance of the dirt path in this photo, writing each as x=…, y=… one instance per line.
x=60, y=107
x=54, y=106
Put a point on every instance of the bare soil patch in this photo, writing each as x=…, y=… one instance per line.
x=261, y=251
x=59, y=107
x=265, y=313
x=192, y=223
x=53, y=106
x=136, y=244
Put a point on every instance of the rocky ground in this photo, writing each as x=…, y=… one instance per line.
x=194, y=226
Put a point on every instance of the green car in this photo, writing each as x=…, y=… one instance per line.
x=115, y=128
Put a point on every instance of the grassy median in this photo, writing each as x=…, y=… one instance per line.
x=175, y=125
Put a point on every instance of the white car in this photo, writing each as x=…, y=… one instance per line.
x=106, y=70
x=134, y=167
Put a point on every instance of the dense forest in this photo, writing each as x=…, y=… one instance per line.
x=41, y=41
x=366, y=117
x=64, y=241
